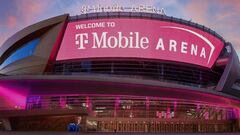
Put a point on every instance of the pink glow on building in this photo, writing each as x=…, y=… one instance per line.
x=12, y=98
x=117, y=103
x=168, y=115
x=63, y=102
x=88, y=104
x=236, y=112
x=175, y=106
x=206, y=115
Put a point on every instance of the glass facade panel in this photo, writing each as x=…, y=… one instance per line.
x=25, y=51
x=142, y=69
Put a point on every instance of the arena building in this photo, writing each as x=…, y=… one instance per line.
x=119, y=72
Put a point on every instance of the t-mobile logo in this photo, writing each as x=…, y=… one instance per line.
x=81, y=39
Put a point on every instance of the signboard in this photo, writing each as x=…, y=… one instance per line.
x=139, y=38
x=86, y=9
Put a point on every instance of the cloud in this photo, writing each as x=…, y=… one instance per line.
x=233, y=37
x=197, y=11
x=8, y=22
x=11, y=21
x=25, y=13
x=28, y=10
x=234, y=3
x=220, y=15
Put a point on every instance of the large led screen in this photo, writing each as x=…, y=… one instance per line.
x=139, y=38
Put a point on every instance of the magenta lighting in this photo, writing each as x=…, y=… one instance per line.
x=113, y=72
x=12, y=97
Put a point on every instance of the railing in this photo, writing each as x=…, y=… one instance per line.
x=132, y=107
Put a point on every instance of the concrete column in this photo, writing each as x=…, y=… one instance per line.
x=238, y=124
x=84, y=124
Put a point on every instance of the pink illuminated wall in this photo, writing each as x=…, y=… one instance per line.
x=12, y=96
x=139, y=38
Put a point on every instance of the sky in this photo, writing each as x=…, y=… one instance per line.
x=222, y=16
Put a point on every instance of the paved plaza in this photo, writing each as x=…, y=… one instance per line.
x=79, y=133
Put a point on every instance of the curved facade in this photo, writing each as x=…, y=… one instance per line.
x=119, y=72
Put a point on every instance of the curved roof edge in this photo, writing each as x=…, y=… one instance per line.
x=145, y=15
x=12, y=40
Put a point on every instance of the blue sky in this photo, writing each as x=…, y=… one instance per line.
x=223, y=16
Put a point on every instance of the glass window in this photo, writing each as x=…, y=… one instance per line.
x=25, y=51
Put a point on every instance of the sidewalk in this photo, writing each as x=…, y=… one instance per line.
x=79, y=133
